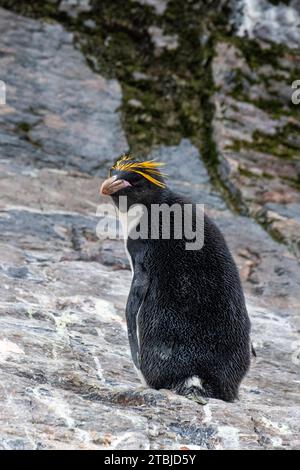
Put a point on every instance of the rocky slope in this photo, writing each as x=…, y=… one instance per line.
x=256, y=124
x=67, y=377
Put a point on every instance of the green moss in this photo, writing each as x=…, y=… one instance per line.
x=274, y=107
x=174, y=87
x=267, y=175
x=250, y=174
x=258, y=56
x=47, y=10
x=23, y=127
x=177, y=83
x=280, y=144
x=247, y=173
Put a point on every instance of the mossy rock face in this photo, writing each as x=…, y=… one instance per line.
x=172, y=84
x=256, y=129
x=67, y=378
x=34, y=9
x=263, y=80
x=165, y=66
x=168, y=83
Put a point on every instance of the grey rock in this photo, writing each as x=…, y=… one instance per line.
x=74, y=7
x=140, y=76
x=187, y=174
x=246, y=131
x=135, y=103
x=159, y=6
x=162, y=40
x=68, y=99
x=90, y=24
x=2, y=93
x=17, y=272
x=67, y=380
x=264, y=20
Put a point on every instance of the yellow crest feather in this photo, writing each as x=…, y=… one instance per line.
x=146, y=168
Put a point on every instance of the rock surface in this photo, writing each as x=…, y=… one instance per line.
x=52, y=97
x=256, y=124
x=279, y=23
x=67, y=376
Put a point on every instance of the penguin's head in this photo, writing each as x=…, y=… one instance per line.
x=140, y=181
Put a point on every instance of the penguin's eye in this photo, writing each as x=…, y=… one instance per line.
x=133, y=178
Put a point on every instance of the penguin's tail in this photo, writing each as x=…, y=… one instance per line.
x=192, y=389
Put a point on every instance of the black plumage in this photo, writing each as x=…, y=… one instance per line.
x=188, y=325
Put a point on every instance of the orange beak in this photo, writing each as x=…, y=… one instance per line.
x=112, y=185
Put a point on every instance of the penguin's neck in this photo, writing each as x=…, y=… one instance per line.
x=157, y=196
x=132, y=217
x=129, y=221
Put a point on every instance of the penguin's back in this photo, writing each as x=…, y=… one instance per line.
x=192, y=320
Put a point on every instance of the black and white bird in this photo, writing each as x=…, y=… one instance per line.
x=188, y=326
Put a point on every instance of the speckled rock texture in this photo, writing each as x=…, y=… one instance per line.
x=277, y=21
x=256, y=129
x=67, y=380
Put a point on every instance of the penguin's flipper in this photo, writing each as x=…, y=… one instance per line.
x=253, y=350
x=136, y=298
